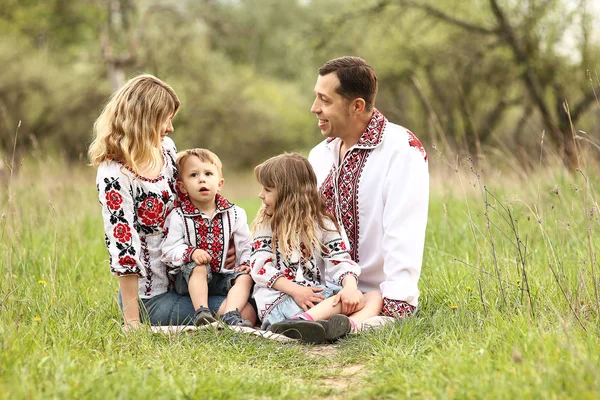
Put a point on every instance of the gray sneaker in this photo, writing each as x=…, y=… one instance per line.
x=234, y=318
x=336, y=327
x=204, y=316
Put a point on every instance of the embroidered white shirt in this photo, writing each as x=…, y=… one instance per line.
x=330, y=264
x=187, y=229
x=379, y=195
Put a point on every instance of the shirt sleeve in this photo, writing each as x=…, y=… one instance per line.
x=115, y=194
x=242, y=238
x=405, y=205
x=263, y=262
x=176, y=250
x=338, y=263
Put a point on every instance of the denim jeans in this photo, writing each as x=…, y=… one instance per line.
x=288, y=308
x=218, y=283
x=171, y=308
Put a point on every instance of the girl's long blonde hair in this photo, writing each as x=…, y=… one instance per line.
x=299, y=208
x=129, y=128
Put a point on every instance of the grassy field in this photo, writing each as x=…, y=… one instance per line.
x=509, y=305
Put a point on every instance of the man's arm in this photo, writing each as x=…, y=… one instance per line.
x=406, y=200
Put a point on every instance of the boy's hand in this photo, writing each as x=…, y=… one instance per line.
x=200, y=257
x=352, y=300
x=245, y=268
x=306, y=297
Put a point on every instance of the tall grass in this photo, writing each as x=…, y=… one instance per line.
x=509, y=305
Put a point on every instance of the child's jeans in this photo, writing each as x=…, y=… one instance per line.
x=288, y=308
x=218, y=283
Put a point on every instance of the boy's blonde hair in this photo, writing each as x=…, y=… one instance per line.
x=204, y=155
x=299, y=208
x=129, y=128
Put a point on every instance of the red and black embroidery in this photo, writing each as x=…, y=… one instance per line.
x=396, y=308
x=209, y=237
x=150, y=212
x=343, y=202
x=413, y=141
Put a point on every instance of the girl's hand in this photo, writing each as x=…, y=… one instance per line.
x=306, y=297
x=352, y=300
x=200, y=257
x=245, y=268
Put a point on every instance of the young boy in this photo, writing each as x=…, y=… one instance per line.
x=197, y=238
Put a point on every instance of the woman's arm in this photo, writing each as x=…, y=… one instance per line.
x=129, y=296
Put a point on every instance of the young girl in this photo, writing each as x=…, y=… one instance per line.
x=136, y=187
x=305, y=278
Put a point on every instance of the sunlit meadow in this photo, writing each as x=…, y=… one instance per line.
x=509, y=305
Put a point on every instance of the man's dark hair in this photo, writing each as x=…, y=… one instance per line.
x=357, y=79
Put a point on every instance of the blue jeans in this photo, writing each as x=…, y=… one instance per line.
x=171, y=308
x=218, y=283
x=288, y=308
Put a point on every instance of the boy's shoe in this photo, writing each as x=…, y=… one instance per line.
x=306, y=331
x=204, y=316
x=234, y=318
x=336, y=327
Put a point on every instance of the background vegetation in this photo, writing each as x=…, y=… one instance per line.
x=510, y=304
x=472, y=77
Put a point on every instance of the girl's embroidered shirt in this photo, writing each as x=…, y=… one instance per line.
x=134, y=210
x=332, y=263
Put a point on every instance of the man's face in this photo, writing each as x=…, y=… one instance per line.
x=330, y=107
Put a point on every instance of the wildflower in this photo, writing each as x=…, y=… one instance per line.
x=42, y=282
x=37, y=319
x=454, y=307
x=469, y=289
x=555, y=189
x=117, y=290
x=14, y=276
x=518, y=281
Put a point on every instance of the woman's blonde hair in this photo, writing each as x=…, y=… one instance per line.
x=299, y=208
x=129, y=128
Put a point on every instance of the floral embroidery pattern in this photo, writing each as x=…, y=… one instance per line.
x=396, y=308
x=416, y=143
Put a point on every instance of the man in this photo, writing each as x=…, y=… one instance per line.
x=374, y=178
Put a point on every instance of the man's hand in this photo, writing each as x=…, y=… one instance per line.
x=200, y=257
x=306, y=297
x=230, y=259
x=352, y=300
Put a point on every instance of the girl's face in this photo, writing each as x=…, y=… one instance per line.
x=268, y=195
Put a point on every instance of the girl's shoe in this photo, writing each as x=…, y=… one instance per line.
x=306, y=331
x=336, y=327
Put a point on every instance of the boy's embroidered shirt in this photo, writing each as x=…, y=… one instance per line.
x=134, y=210
x=189, y=229
x=330, y=264
x=379, y=194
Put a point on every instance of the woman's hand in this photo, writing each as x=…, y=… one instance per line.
x=230, y=259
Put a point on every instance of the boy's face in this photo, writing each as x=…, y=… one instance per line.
x=200, y=180
x=268, y=196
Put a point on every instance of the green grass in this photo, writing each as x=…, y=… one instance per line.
x=61, y=336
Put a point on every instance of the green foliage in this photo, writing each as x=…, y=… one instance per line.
x=61, y=330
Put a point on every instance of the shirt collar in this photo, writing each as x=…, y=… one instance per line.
x=373, y=133
x=190, y=209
